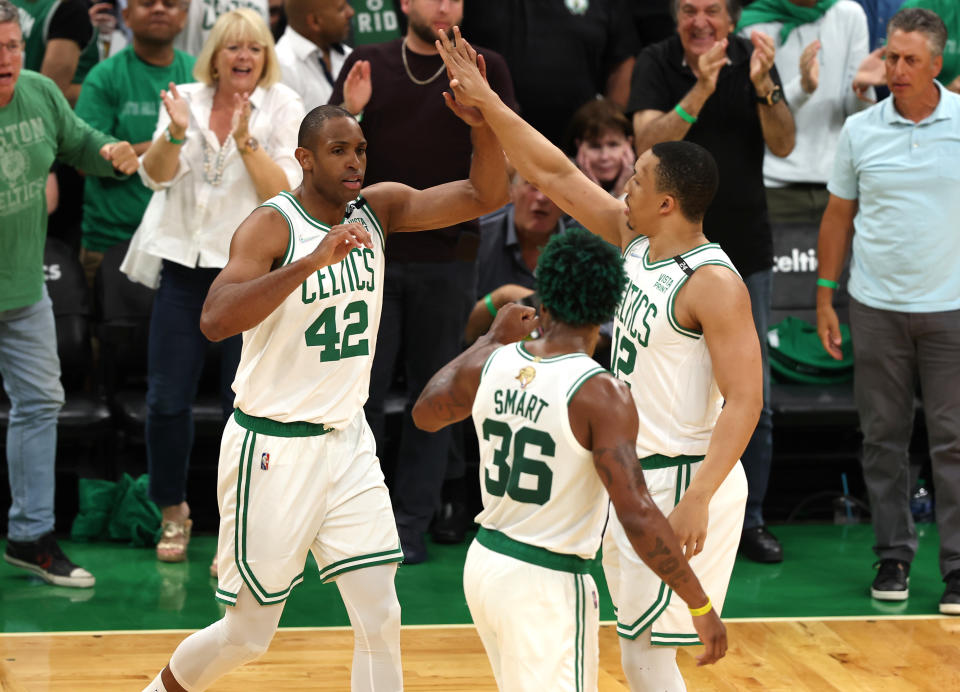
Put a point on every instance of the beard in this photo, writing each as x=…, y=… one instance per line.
x=423, y=30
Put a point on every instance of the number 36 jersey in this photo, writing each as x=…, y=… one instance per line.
x=310, y=359
x=538, y=484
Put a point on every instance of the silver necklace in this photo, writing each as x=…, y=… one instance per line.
x=213, y=168
x=406, y=66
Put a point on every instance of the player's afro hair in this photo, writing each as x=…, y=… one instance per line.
x=580, y=278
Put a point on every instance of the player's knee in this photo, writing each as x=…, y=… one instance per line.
x=377, y=624
x=244, y=647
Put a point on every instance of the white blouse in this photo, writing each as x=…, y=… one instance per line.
x=199, y=218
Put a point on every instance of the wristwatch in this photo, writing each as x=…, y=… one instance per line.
x=252, y=144
x=773, y=97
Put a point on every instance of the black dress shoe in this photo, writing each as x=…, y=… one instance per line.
x=450, y=526
x=760, y=545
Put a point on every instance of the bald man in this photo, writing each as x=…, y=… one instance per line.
x=311, y=50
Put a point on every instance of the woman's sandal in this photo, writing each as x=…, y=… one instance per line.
x=173, y=541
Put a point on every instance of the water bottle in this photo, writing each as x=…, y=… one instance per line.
x=845, y=510
x=921, y=504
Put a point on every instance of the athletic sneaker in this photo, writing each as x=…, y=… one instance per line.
x=892, y=581
x=950, y=603
x=44, y=558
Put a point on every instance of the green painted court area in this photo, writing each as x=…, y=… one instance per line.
x=826, y=573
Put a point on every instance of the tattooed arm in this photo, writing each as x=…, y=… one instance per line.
x=448, y=396
x=604, y=419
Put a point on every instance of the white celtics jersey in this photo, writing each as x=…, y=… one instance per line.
x=538, y=484
x=310, y=359
x=667, y=366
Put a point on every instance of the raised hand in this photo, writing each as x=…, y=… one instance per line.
x=240, y=122
x=178, y=109
x=357, y=87
x=102, y=17
x=122, y=156
x=468, y=114
x=761, y=61
x=810, y=67
x=710, y=63
x=338, y=243
x=469, y=86
x=628, y=159
x=512, y=323
x=871, y=73
x=585, y=162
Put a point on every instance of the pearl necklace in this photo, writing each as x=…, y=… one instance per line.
x=406, y=66
x=213, y=167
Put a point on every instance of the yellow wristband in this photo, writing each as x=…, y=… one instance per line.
x=488, y=301
x=702, y=610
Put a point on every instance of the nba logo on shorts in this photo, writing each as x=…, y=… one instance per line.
x=265, y=461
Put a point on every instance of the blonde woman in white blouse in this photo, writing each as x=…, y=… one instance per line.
x=222, y=145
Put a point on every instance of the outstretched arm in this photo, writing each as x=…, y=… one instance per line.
x=246, y=291
x=448, y=396
x=604, y=411
x=539, y=161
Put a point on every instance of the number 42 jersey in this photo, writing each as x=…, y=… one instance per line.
x=538, y=484
x=310, y=359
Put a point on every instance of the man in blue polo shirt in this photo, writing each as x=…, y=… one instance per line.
x=894, y=193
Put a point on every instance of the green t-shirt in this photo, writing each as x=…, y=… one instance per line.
x=949, y=11
x=374, y=21
x=36, y=127
x=34, y=17
x=121, y=96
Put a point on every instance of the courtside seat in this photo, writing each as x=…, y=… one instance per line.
x=795, y=294
x=85, y=416
x=124, y=309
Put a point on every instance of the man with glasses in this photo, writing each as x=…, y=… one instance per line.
x=36, y=127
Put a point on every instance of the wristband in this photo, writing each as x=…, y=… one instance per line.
x=683, y=114
x=358, y=117
x=488, y=301
x=702, y=610
x=827, y=283
x=173, y=140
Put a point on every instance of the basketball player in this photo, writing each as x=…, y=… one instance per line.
x=298, y=468
x=556, y=434
x=685, y=343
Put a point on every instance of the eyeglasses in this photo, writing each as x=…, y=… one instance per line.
x=14, y=47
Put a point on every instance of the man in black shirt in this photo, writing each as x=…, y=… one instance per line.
x=430, y=285
x=708, y=86
x=561, y=53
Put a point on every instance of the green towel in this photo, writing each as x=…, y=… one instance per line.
x=784, y=11
x=796, y=354
x=119, y=511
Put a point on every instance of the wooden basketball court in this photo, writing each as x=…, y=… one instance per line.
x=856, y=654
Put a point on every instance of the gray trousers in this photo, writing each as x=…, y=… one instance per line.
x=891, y=350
